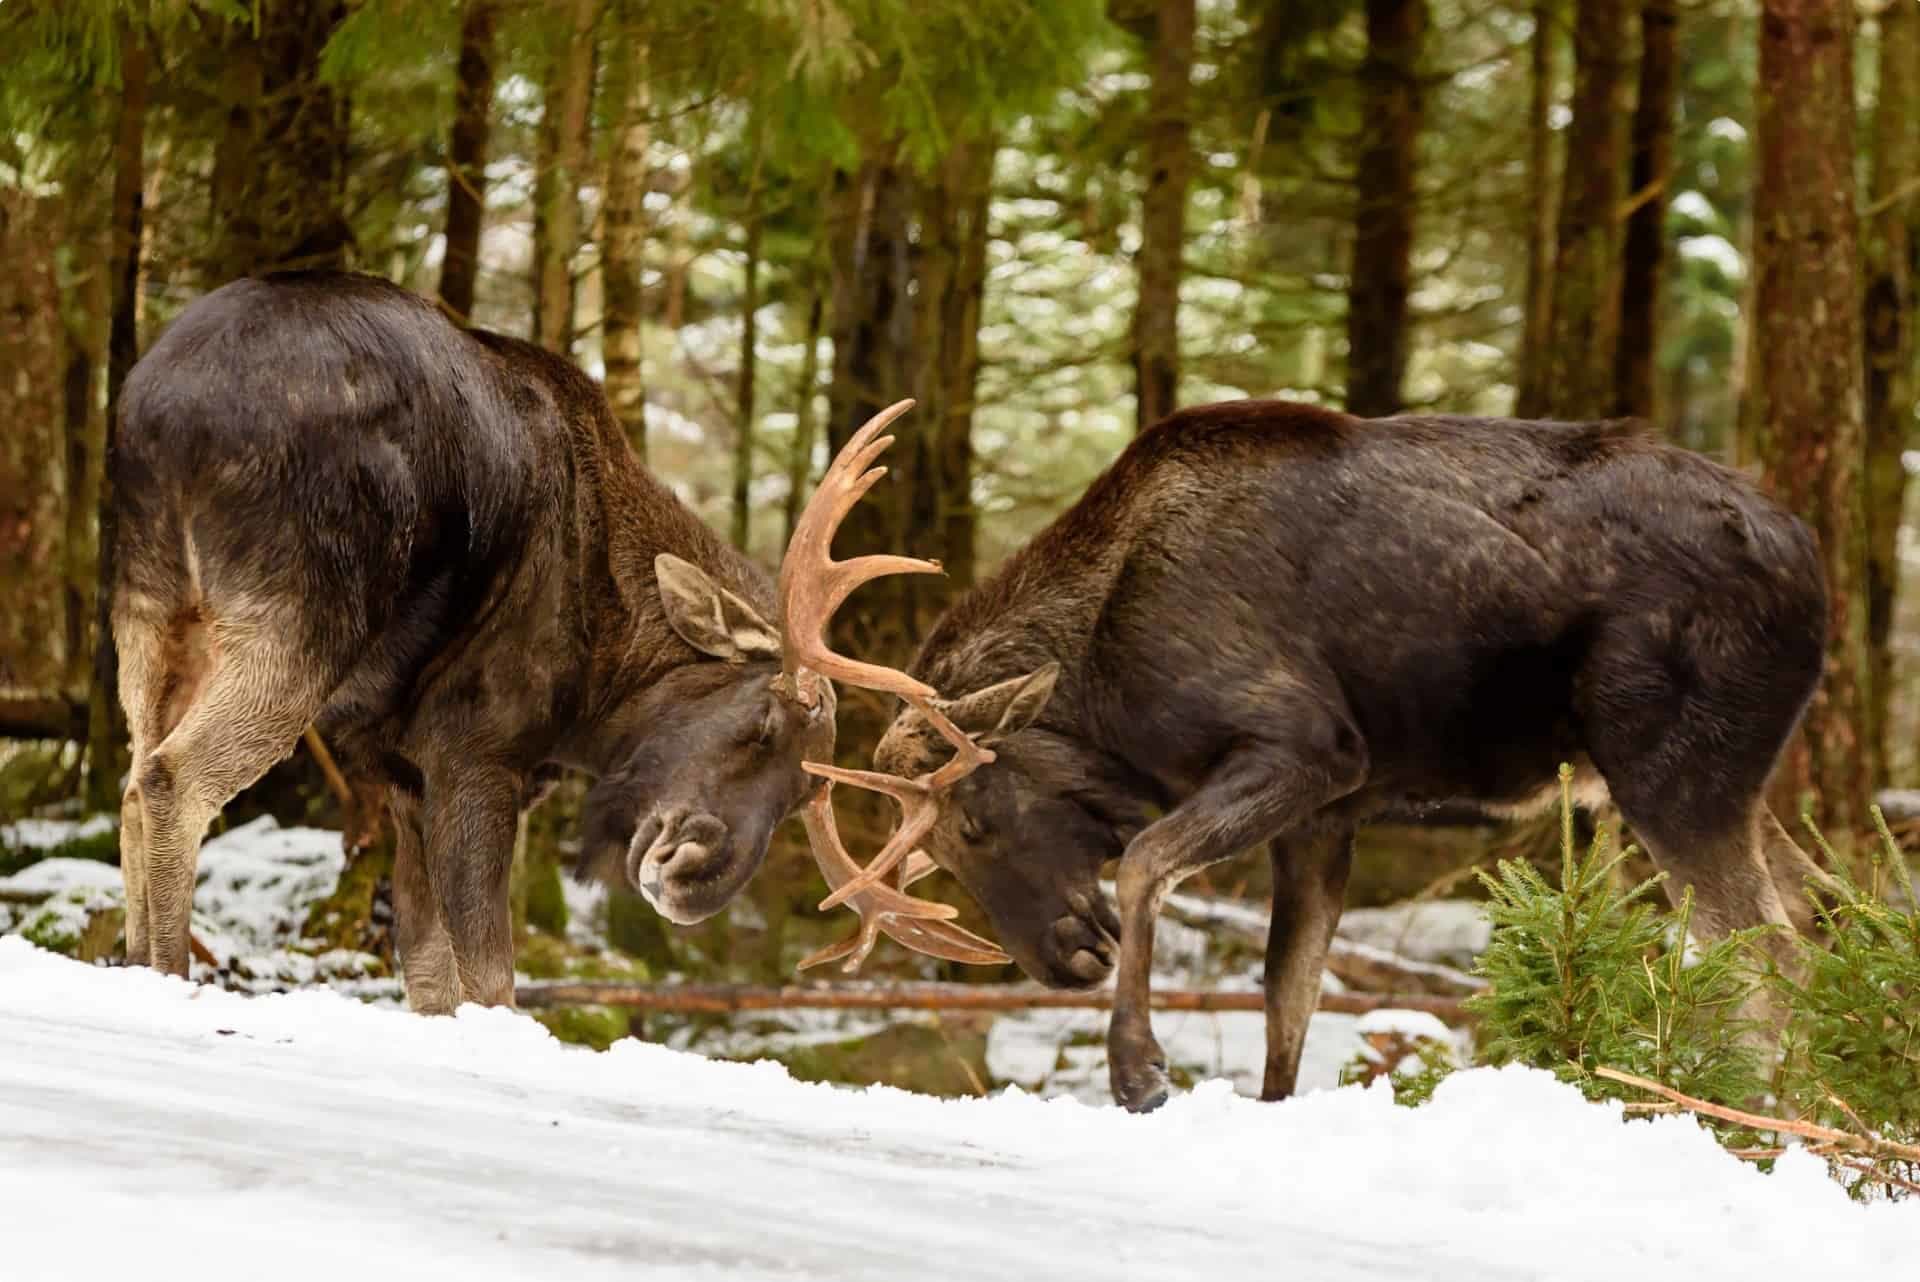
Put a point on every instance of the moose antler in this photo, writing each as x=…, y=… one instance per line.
x=812, y=586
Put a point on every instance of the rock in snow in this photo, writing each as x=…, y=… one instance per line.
x=152, y=1129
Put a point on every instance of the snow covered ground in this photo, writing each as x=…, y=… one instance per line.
x=153, y=1129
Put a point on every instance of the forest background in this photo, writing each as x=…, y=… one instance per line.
x=1051, y=221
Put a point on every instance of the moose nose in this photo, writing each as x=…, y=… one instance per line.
x=684, y=848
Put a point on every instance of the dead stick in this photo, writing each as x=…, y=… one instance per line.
x=1806, y=1130
x=723, y=999
x=335, y=780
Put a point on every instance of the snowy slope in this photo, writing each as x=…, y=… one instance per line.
x=156, y=1130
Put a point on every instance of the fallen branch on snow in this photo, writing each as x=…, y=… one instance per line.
x=724, y=999
x=1824, y=1137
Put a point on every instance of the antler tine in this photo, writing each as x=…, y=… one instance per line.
x=812, y=586
x=918, y=798
x=916, y=923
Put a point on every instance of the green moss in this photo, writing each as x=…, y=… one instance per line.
x=546, y=901
x=101, y=847
x=635, y=929
x=595, y=1026
x=916, y=1057
x=344, y=919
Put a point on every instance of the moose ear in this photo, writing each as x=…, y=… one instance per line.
x=708, y=617
x=1004, y=709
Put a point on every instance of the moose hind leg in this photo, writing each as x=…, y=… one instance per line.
x=420, y=932
x=248, y=713
x=1309, y=887
x=471, y=816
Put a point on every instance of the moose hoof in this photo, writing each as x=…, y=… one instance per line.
x=1140, y=1084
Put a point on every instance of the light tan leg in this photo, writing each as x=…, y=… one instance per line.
x=257, y=698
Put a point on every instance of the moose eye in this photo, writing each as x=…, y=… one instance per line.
x=970, y=829
x=769, y=729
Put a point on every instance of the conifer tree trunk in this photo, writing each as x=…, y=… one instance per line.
x=623, y=253
x=950, y=279
x=467, y=157
x=1530, y=385
x=106, y=723
x=36, y=418
x=1385, y=204
x=89, y=331
x=1645, y=251
x=279, y=181
x=1889, y=299
x=872, y=327
x=565, y=115
x=1585, y=314
x=749, y=365
x=800, y=461
x=1806, y=371
x=1168, y=164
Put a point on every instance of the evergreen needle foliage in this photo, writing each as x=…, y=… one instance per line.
x=1588, y=974
x=1853, y=1045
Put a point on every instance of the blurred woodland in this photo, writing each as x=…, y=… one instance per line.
x=1051, y=221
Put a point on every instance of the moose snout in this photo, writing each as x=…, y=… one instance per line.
x=675, y=857
x=1083, y=944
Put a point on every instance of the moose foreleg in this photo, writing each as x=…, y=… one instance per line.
x=1256, y=791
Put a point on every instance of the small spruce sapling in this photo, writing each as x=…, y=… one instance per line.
x=1588, y=974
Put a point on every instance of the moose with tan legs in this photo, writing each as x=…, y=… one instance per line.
x=1268, y=622
x=338, y=508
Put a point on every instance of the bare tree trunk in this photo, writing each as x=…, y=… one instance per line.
x=749, y=364
x=36, y=418
x=1889, y=300
x=800, y=461
x=279, y=182
x=1646, y=245
x=1530, y=386
x=871, y=323
x=623, y=253
x=88, y=334
x=106, y=724
x=565, y=115
x=1163, y=214
x=1385, y=202
x=1585, y=316
x=1807, y=362
x=467, y=158
x=960, y=364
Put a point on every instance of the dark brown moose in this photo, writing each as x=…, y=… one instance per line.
x=1268, y=622
x=337, y=507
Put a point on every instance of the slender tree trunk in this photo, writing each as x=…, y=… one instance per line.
x=279, y=183
x=467, y=157
x=34, y=411
x=1530, y=386
x=88, y=334
x=623, y=252
x=871, y=324
x=565, y=115
x=1646, y=244
x=949, y=280
x=1163, y=214
x=106, y=723
x=749, y=364
x=1585, y=316
x=1807, y=361
x=1890, y=299
x=800, y=460
x=1385, y=203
